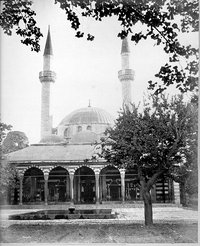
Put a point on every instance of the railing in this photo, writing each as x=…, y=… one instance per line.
x=126, y=74
x=47, y=76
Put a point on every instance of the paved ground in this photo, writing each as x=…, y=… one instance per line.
x=100, y=233
x=171, y=225
x=124, y=215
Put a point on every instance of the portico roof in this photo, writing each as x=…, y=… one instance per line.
x=53, y=153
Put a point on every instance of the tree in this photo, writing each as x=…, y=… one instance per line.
x=188, y=178
x=7, y=175
x=4, y=128
x=18, y=14
x=8, y=181
x=161, y=20
x=155, y=142
x=10, y=141
x=15, y=140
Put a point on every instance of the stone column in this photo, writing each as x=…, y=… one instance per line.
x=20, y=189
x=67, y=187
x=46, y=177
x=97, y=185
x=122, y=173
x=104, y=187
x=71, y=175
x=79, y=186
x=100, y=188
x=176, y=193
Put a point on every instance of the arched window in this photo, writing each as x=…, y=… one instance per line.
x=66, y=132
x=79, y=128
x=89, y=128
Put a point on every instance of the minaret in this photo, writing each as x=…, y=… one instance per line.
x=126, y=75
x=47, y=76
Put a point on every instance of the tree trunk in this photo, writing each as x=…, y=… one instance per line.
x=148, y=211
x=145, y=188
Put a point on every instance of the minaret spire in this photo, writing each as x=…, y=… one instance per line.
x=48, y=47
x=126, y=75
x=47, y=76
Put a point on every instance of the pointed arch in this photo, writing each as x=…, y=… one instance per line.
x=84, y=185
x=33, y=185
x=110, y=183
x=59, y=184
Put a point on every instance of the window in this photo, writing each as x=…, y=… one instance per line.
x=79, y=128
x=66, y=132
x=89, y=128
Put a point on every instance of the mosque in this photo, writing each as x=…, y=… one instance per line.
x=61, y=168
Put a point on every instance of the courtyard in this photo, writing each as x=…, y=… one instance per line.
x=101, y=233
x=171, y=225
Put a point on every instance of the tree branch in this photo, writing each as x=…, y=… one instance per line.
x=153, y=179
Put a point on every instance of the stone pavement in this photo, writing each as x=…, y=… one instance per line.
x=124, y=215
x=172, y=214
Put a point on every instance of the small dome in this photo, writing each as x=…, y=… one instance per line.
x=52, y=139
x=89, y=115
x=84, y=137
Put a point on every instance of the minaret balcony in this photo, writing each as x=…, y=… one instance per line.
x=126, y=74
x=47, y=76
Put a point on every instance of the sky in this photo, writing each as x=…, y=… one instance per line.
x=85, y=70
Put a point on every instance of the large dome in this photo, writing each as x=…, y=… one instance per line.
x=84, y=137
x=89, y=115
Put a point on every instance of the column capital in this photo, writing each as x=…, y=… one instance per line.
x=71, y=169
x=97, y=172
x=20, y=172
x=46, y=172
x=71, y=172
x=46, y=176
x=21, y=175
x=122, y=171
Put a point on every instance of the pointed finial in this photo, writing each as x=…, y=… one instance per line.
x=48, y=47
x=125, y=46
x=89, y=104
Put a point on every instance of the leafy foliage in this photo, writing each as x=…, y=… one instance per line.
x=153, y=13
x=160, y=22
x=18, y=14
x=189, y=180
x=8, y=176
x=159, y=19
x=3, y=130
x=10, y=141
x=154, y=140
x=160, y=141
x=14, y=141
